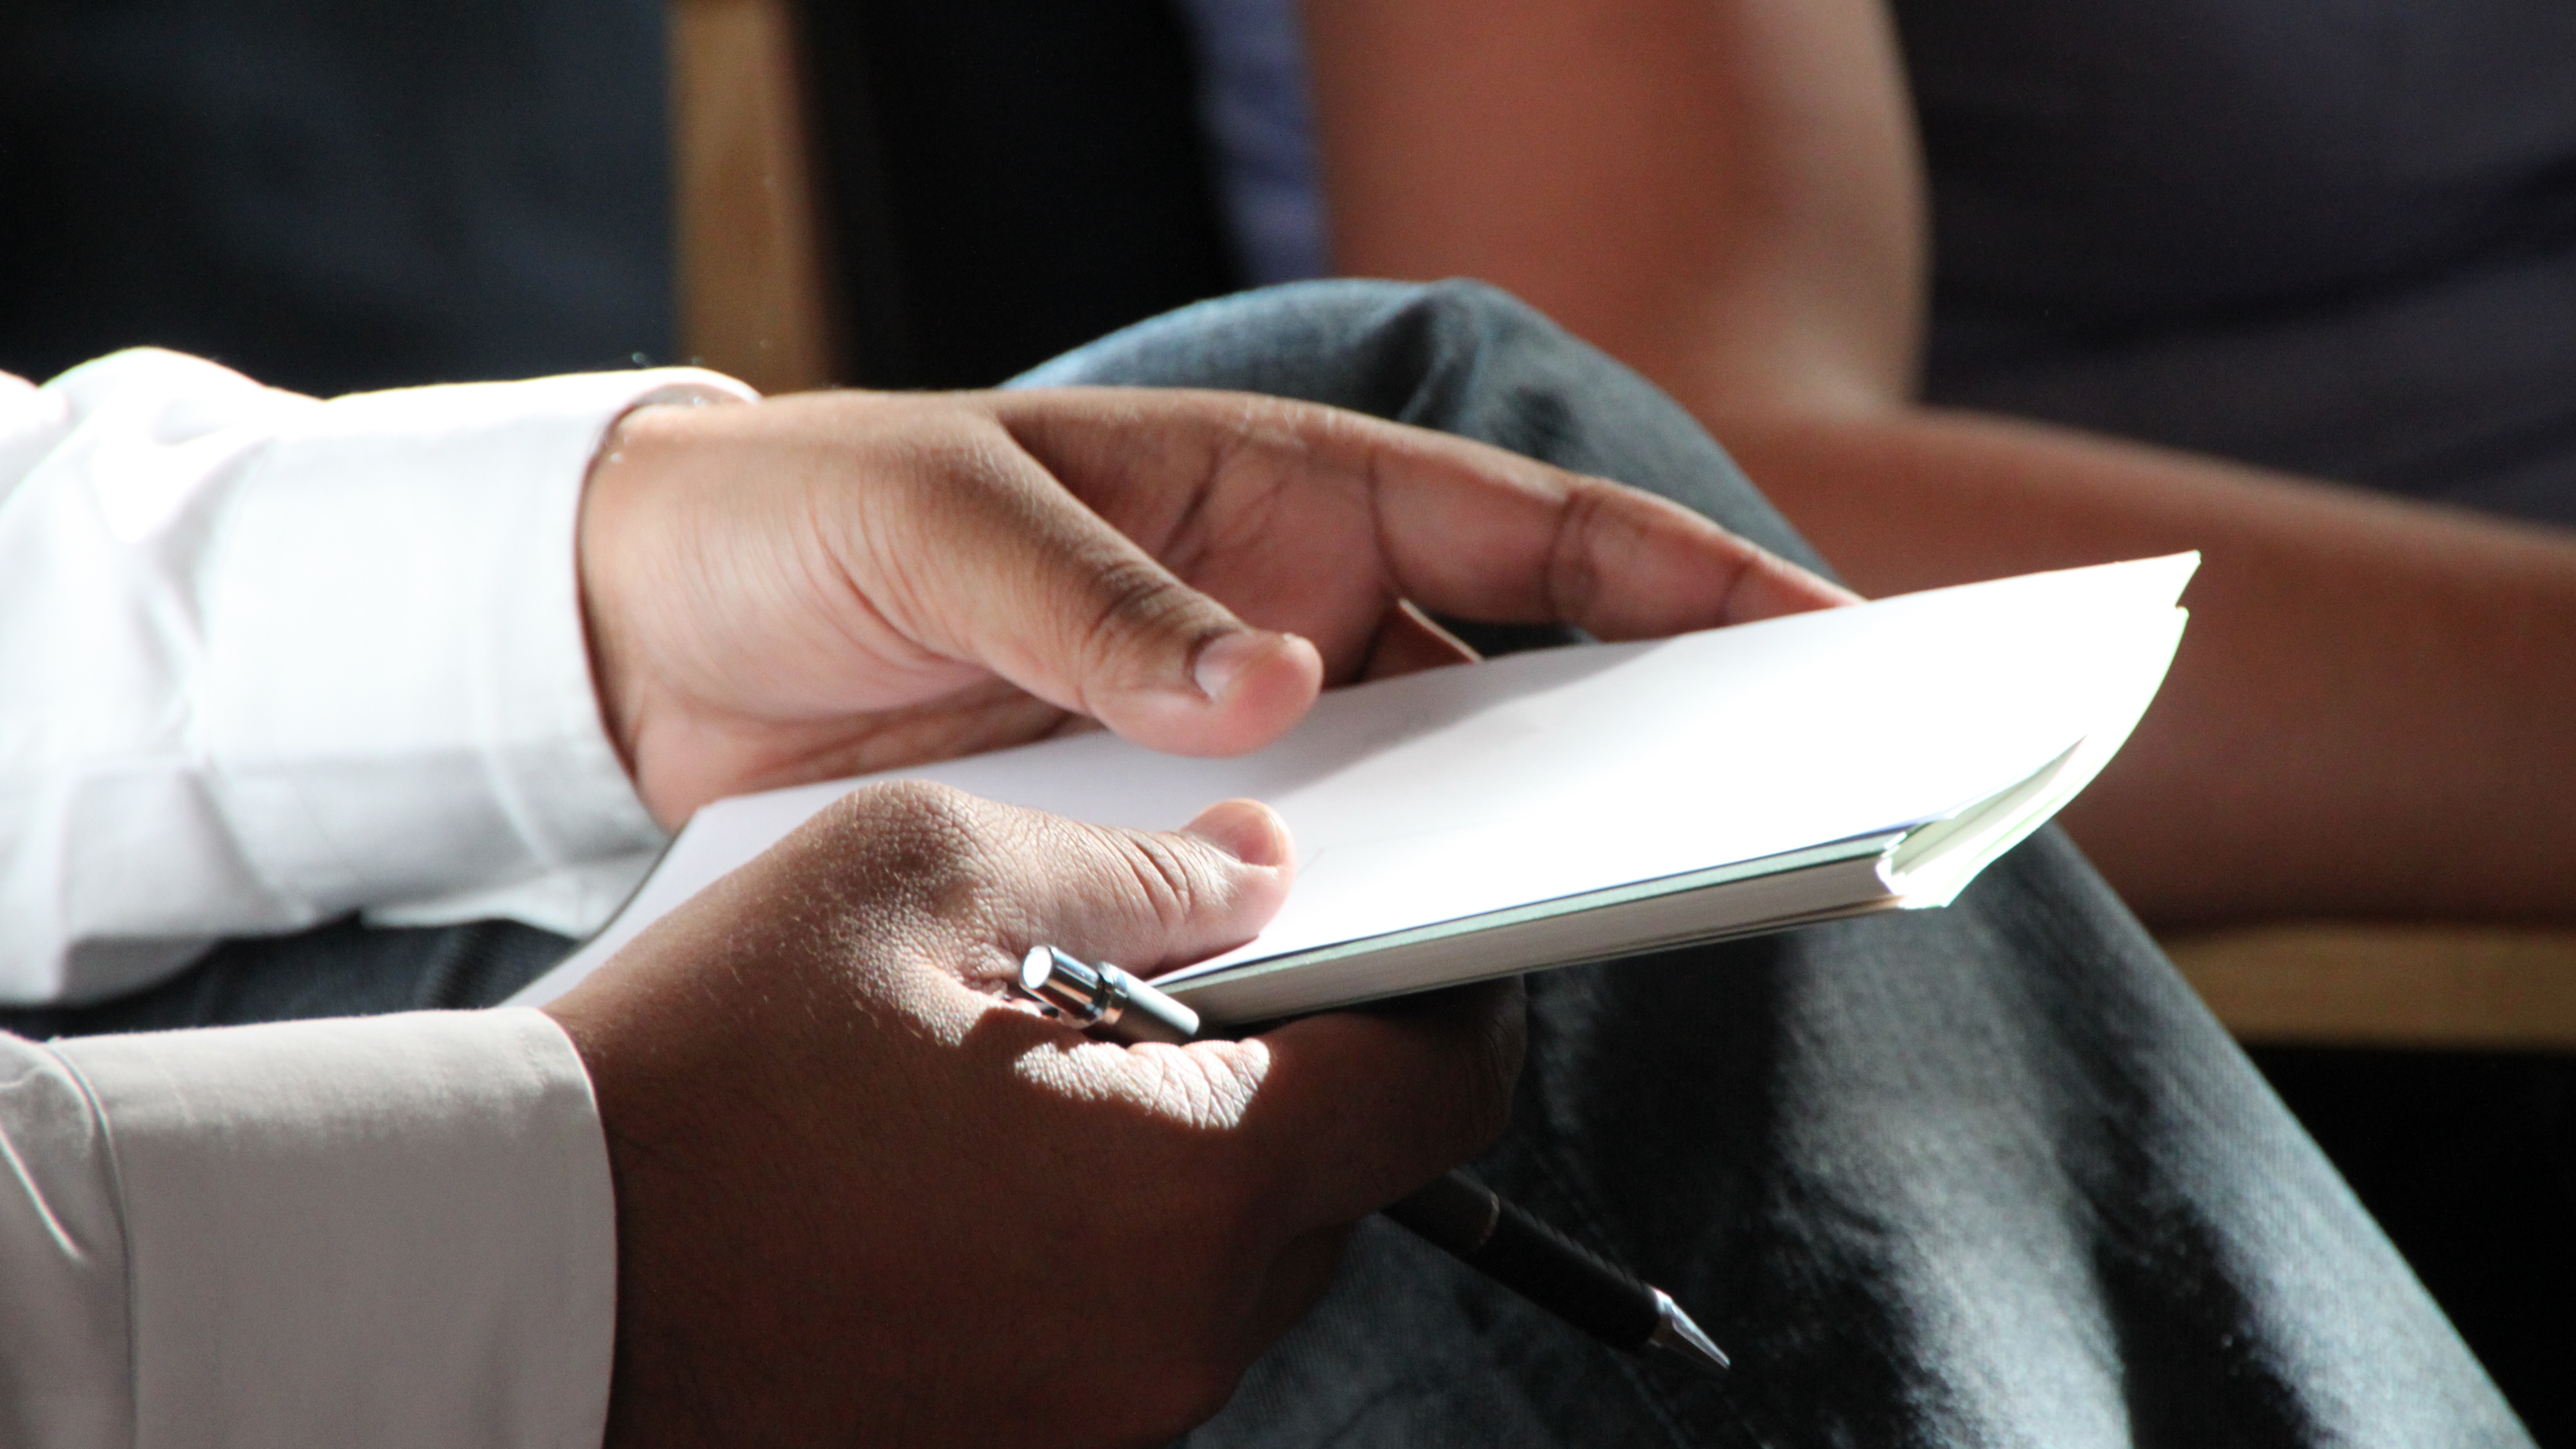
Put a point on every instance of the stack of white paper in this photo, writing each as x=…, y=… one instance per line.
x=1580, y=803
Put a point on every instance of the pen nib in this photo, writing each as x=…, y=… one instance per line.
x=1676, y=1334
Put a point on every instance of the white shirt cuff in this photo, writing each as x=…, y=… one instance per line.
x=399, y=697
x=391, y=1232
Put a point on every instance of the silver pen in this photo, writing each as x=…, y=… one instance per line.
x=1457, y=1214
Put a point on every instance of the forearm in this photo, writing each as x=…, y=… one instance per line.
x=2372, y=713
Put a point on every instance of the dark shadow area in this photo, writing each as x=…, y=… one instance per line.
x=2190, y=1372
x=2468, y=1159
x=1007, y=179
x=337, y=969
x=1709, y=1202
x=336, y=197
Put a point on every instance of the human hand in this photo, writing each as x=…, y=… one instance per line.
x=861, y=1200
x=842, y=583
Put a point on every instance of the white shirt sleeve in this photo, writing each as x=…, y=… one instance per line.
x=392, y=1232
x=266, y=659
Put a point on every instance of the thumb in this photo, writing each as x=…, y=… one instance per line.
x=1039, y=589
x=1144, y=900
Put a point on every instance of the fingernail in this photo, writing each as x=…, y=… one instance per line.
x=1222, y=661
x=1245, y=829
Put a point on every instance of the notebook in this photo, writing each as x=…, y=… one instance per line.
x=1577, y=804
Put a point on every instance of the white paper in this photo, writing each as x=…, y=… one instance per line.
x=1483, y=787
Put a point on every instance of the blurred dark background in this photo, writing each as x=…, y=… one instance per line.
x=336, y=196
x=342, y=196
x=1007, y=179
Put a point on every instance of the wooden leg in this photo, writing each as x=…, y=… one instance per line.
x=2418, y=985
x=754, y=300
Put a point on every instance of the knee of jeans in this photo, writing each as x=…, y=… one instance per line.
x=1478, y=319
x=1460, y=306
x=1481, y=304
x=1356, y=306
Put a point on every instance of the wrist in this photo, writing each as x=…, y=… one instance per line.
x=605, y=507
x=617, y=577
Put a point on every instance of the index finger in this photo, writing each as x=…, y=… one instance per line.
x=1458, y=526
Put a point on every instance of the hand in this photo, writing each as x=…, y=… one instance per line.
x=862, y=1200
x=842, y=583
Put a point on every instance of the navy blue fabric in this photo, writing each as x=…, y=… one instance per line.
x=341, y=968
x=334, y=196
x=2337, y=237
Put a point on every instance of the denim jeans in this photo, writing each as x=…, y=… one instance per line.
x=1988, y=1174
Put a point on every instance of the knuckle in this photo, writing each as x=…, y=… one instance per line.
x=1131, y=594
x=1480, y=1069
x=1464, y=1123
x=1501, y=1047
x=1272, y=440
x=1170, y=884
x=916, y=841
x=1480, y=305
x=920, y=814
x=1573, y=565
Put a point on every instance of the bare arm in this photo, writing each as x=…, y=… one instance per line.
x=2374, y=713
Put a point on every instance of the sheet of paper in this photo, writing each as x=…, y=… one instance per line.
x=1479, y=788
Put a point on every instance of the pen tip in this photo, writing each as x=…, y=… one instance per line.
x=1677, y=1335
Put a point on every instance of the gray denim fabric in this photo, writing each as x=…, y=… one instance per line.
x=1988, y=1175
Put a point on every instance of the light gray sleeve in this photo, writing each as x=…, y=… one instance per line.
x=390, y=1232
x=64, y=1333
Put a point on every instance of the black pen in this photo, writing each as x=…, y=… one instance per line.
x=1457, y=1214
